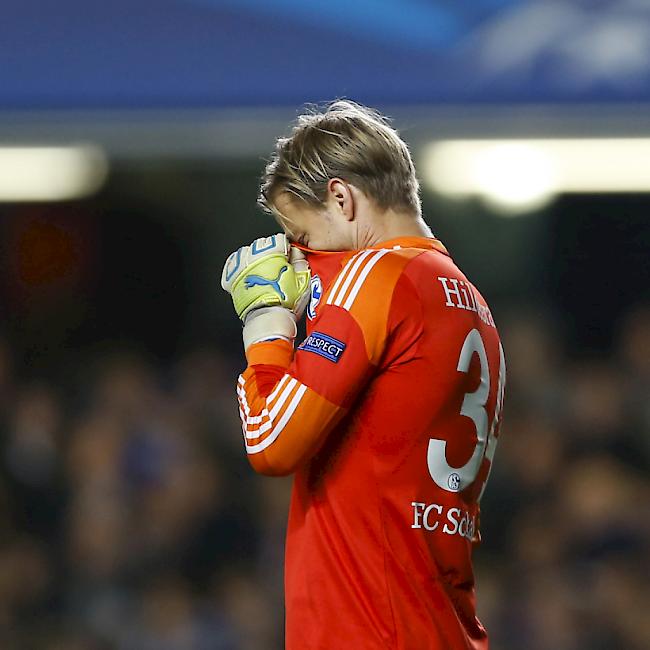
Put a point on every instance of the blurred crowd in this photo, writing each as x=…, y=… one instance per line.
x=566, y=527
x=130, y=519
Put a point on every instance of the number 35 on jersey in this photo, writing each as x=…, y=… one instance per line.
x=456, y=479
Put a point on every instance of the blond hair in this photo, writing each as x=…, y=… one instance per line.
x=344, y=140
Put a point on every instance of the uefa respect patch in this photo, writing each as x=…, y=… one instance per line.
x=326, y=346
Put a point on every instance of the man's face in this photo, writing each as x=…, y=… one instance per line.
x=323, y=229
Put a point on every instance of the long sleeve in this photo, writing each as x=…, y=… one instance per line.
x=289, y=402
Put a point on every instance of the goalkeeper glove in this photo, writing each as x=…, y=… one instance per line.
x=269, y=285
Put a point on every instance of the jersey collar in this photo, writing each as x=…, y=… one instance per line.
x=427, y=243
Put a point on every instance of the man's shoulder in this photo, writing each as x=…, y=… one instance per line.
x=369, y=276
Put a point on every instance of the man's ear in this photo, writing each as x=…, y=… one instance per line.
x=341, y=198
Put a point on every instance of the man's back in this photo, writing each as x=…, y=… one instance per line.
x=384, y=516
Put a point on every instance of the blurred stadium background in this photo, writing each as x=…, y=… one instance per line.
x=132, y=135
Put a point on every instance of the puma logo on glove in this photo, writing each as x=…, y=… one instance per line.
x=257, y=280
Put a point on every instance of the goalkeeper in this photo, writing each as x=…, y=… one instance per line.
x=388, y=413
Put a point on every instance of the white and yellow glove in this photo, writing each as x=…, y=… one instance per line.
x=269, y=284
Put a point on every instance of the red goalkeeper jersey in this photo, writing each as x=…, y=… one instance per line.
x=388, y=413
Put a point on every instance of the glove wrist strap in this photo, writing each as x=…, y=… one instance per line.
x=269, y=323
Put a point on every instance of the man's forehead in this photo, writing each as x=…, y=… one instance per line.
x=285, y=206
x=286, y=211
x=285, y=223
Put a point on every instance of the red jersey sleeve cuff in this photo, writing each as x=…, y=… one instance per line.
x=270, y=353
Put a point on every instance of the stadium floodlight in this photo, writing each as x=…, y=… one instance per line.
x=51, y=173
x=520, y=175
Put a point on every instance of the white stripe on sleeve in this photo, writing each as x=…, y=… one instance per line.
x=261, y=446
x=341, y=276
x=362, y=277
x=337, y=299
x=251, y=434
x=256, y=419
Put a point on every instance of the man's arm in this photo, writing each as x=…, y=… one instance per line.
x=289, y=402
